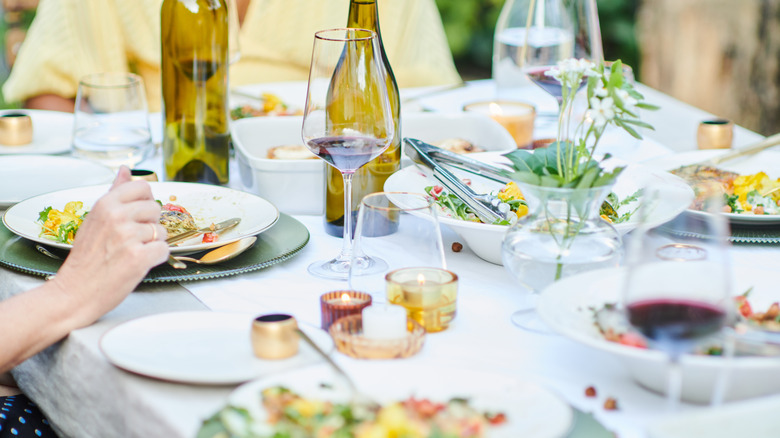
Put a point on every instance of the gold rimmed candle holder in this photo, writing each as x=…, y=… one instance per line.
x=347, y=334
x=15, y=129
x=275, y=336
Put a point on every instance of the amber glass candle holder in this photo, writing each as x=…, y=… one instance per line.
x=516, y=117
x=340, y=303
x=429, y=295
x=347, y=334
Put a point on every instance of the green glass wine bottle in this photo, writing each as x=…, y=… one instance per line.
x=371, y=177
x=195, y=90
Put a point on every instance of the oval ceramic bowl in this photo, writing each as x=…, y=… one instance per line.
x=485, y=239
x=565, y=307
x=297, y=186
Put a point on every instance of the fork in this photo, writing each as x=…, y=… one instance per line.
x=357, y=396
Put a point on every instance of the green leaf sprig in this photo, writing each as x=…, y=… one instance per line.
x=570, y=163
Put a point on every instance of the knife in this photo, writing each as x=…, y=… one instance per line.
x=224, y=225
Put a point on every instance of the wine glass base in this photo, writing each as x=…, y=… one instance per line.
x=333, y=269
x=530, y=321
x=367, y=265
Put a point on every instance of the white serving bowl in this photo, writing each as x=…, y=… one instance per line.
x=298, y=186
x=565, y=307
x=294, y=186
x=485, y=239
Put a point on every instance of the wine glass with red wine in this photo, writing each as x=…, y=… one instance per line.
x=678, y=285
x=555, y=32
x=347, y=119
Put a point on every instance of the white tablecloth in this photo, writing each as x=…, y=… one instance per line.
x=84, y=395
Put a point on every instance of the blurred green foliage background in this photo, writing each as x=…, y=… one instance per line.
x=469, y=25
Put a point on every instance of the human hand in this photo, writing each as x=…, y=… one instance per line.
x=119, y=241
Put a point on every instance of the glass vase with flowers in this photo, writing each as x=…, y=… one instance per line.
x=567, y=182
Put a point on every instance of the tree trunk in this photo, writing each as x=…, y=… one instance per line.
x=719, y=55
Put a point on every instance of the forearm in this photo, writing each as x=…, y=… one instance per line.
x=33, y=320
x=50, y=102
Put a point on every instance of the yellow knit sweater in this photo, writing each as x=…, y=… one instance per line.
x=71, y=38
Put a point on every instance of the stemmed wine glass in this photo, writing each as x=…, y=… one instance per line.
x=347, y=119
x=678, y=285
x=553, y=33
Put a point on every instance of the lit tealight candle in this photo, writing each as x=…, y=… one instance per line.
x=341, y=303
x=516, y=117
x=428, y=294
x=384, y=321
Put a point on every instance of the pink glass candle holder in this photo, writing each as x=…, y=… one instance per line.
x=340, y=303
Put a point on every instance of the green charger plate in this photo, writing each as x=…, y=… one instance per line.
x=279, y=243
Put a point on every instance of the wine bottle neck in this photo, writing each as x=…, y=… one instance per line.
x=363, y=14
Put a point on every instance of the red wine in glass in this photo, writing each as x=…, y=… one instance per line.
x=548, y=83
x=672, y=324
x=347, y=154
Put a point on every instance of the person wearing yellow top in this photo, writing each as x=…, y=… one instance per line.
x=69, y=39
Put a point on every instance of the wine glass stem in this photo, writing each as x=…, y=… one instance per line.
x=346, y=244
x=674, y=388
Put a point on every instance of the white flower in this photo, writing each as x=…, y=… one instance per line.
x=600, y=91
x=587, y=68
x=629, y=103
x=601, y=110
x=554, y=73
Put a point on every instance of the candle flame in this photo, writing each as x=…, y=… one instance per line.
x=495, y=109
x=345, y=298
x=420, y=279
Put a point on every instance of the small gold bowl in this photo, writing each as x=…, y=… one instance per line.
x=347, y=334
x=275, y=336
x=15, y=129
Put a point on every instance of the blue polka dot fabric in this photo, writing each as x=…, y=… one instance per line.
x=20, y=418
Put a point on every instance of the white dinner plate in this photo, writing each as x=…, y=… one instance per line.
x=565, y=306
x=208, y=204
x=754, y=418
x=52, y=131
x=485, y=239
x=531, y=410
x=211, y=348
x=766, y=161
x=24, y=176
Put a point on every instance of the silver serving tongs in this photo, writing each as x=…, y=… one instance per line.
x=488, y=208
x=462, y=162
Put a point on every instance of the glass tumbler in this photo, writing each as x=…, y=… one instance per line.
x=408, y=266
x=111, y=122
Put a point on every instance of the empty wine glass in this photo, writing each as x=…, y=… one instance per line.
x=677, y=289
x=347, y=118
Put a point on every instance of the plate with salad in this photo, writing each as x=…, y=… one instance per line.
x=747, y=183
x=425, y=402
x=485, y=239
x=574, y=307
x=53, y=219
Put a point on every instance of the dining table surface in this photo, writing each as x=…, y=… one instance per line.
x=84, y=395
